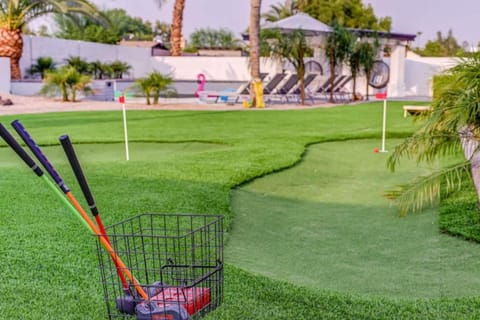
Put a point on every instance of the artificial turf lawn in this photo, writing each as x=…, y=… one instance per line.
x=325, y=224
x=48, y=268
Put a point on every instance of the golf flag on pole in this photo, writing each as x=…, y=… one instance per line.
x=382, y=95
x=121, y=99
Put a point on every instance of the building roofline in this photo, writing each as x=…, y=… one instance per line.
x=384, y=34
x=367, y=32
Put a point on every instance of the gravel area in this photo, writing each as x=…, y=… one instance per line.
x=40, y=104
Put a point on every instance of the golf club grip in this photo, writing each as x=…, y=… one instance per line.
x=39, y=154
x=10, y=140
x=77, y=169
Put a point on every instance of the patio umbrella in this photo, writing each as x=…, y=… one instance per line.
x=299, y=21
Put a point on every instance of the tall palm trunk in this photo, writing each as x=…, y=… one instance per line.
x=367, y=85
x=255, y=6
x=177, y=24
x=301, y=75
x=471, y=151
x=332, y=73
x=11, y=46
x=354, y=86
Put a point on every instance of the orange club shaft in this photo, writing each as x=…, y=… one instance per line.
x=106, y=245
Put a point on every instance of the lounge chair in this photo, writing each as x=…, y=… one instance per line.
x=285, y=88
x=324, y=88
x=228, y=96
x=270, y=87
x=295, y=94
x=340, y=92
x=245, y=89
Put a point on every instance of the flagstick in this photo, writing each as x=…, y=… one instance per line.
x=384, y=124
x=122, y=99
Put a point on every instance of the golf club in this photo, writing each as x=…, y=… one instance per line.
x=125, y=303
x=10, y=140
x=56, y=177
x=82, y=181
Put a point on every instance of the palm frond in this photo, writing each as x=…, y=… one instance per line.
x=426, y=190
x=16, y=14
x=425, y=146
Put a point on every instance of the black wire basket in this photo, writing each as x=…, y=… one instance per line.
x=177, y=259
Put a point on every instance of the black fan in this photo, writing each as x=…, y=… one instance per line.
x=380, y=75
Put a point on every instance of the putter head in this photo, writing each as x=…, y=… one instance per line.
x=150, y=310
x=126, y=304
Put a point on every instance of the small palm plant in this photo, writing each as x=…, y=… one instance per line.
x=79, y=64
x=452, y=127
x=160, y=84
x=154, y=85
x=42, y=65
x=144, y=86
x=119, y=68
x=101, y=70
x=66, y=81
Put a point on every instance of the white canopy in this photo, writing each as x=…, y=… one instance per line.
x=300, y=21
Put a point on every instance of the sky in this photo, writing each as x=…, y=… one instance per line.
x=409, y=16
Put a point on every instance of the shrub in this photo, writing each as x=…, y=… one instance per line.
x=66, y=81
x=154, y=85
x=42, y=65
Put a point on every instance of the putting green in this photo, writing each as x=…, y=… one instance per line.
x=94, y=153
x=325, y=224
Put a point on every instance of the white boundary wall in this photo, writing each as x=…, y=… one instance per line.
x=419, y=74
x=414, y=80
x=214, y=68
x=4, y=75
x=180, y=68
x=60, y=49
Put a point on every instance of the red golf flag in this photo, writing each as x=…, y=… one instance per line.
x=381, y=95
x=121, y=99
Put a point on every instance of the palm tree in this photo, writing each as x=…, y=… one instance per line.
x=101, y=70
x=338, y=46
x=77, y=82
x=153, y=86
x=144, y=85
x=354, y=64
x=42, y=65
x=361, y=59
x=367, y=53
x=159, y=83
x=79, y=64
x=16, y=14
x=279, y=11
x=254, y=30
x=293, y=47
x=54, y=83
x=177, y=25
x=452, y=126
x=67, y=81
x=119, y=68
